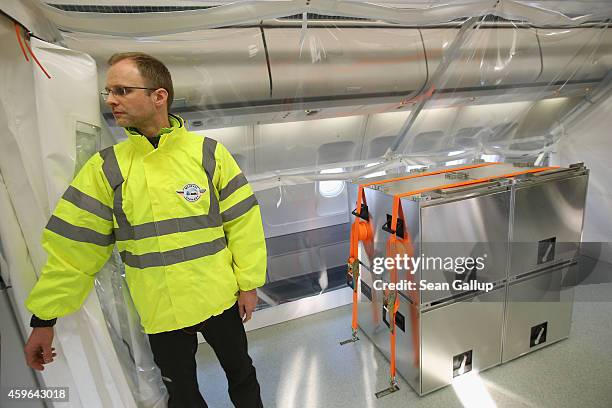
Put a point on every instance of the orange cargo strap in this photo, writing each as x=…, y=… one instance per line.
x=395, y=246
x=405, y=246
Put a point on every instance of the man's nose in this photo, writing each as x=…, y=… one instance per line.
x=110, y=100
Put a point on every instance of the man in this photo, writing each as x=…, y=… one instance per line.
x=188, y=229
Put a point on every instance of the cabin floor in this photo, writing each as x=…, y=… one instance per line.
x=300, y=364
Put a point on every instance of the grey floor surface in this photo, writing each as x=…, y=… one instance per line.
x=301, y=365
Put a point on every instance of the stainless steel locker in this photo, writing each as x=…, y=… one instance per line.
x=508, y=212
x=538, y=310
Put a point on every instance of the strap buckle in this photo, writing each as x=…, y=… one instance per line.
x=399, y=229
x=363, y=213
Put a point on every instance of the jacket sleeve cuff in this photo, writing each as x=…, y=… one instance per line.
x=36, y=322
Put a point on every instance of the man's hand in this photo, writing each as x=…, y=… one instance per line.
x=246, y=304
x=38, y=350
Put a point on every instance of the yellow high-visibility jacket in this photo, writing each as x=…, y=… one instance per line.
x=183, y=217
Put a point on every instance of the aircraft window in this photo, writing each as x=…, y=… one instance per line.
x=331, y=188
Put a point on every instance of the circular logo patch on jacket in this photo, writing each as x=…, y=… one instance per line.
x=191, y=192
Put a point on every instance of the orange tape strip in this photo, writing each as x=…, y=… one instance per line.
x=18, y=33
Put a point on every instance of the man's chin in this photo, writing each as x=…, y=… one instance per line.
x=122, y=121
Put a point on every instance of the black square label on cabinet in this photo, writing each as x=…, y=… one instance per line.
x=538, y=334
x=546, y=250
x=462, y=363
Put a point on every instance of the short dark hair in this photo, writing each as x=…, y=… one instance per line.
x=154, y=72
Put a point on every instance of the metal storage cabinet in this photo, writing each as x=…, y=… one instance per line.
x=545, y=235
x=437, y=330
x=468, y=221
x=442, y=334
x=547, y=220
x=539, y=310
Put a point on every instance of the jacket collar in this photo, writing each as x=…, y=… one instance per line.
x=168, y=135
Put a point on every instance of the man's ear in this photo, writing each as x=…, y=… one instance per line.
x=160, y=96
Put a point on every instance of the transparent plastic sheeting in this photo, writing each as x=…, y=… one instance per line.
x=135, y=376
x=232, y=13
x=305, y=104
x=52, y=126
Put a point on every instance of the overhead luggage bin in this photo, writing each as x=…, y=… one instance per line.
x=582, y=54
x=345, y=62
x=491, y=56
x=208, y=67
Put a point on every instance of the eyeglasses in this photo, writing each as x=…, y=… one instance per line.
x=121, y=91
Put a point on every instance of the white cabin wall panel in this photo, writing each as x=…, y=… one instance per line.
x=496, y=122
x=426, y=134
x=381, y=131
x=294, y=208
x=238, y=141
x=588, y=140
x=296, y=144
x=430, y=130
x=538, y=122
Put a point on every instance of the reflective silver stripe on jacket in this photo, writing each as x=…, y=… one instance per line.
x=112, y=171
x=79, y=234
x=210, y=163
x=88, y=203
x=165, y=227
x=239, y=209
x=233, y=185
x=174, y=256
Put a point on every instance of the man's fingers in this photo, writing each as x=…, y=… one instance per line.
x=247, y=316
x=47, y=354
x=34, y=360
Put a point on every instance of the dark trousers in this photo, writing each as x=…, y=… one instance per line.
x=174, y=354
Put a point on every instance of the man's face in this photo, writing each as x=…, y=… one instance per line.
x=137, y=107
